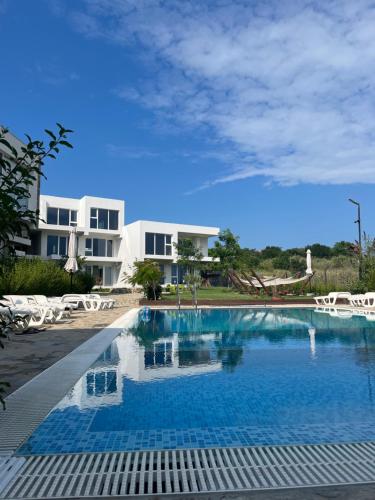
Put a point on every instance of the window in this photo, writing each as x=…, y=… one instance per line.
x=61, y=216
x=158, y=244
x=150, y=243
x=52, y=215
x=101, y=218
x=103, y=274
x=177, y=274
x=162, y=270
x=96, y=247
x=174, y=277
x=113, y=219
x=56, y=245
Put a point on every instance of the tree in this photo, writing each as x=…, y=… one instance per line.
x=19, y=170
x=190, y=256
x=320, y=251
x=147, y=274
x=227, y=250
x=270, y=252
x=249, y=258
x=343, y=248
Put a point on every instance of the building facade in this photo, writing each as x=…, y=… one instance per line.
x=23, y=243
x=110, y=247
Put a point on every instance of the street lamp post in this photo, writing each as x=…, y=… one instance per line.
x=358, y=221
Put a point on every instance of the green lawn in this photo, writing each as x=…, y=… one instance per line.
x=220, y=293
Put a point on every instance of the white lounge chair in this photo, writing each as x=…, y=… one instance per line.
x=81, y=299
x=369, y=299
x=331, y=298
x=357, y=300
x=19, y=305
x=105, y=303
x=60, y=310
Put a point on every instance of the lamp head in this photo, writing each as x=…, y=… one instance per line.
x=354, y=202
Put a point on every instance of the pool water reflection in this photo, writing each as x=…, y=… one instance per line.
x=221, y=377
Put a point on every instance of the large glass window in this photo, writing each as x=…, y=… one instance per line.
x=61, y=216
x=56, y=245
x=174, y=276
x=96, y=247
x=52, y=214
x=162, y=270
x=101, y=218
x=109, y=248
x=113, y=219
x=150, y=243
x=158, y=244
x=103, y=274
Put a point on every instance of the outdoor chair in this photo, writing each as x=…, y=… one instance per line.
x=38, y=314
x=369, y=299
x=81, y=300
x=357, y=300
x=105, y=303
x=331, y=298
x=60, y=310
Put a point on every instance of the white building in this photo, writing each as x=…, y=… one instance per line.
x=110, y=248
x=155, y=240
x=22, y=242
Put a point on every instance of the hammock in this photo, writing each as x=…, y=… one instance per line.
x=257, y=282
x=274, y=281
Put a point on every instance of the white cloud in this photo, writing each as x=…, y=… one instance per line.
x=286, y=89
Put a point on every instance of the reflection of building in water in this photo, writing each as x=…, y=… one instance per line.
x=102, y=384
x=167, y=357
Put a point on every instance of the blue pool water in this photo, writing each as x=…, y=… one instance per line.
x=221, y=377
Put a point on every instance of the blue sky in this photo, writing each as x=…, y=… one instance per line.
x=257, y=116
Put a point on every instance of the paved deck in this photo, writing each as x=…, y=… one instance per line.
x=25, y=356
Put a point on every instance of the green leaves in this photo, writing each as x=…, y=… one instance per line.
x=19, y=171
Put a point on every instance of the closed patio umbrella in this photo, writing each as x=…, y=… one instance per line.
x=71, y=265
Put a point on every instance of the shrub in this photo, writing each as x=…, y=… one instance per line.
x=146, y=274
x=37, y=276
x=153, y=292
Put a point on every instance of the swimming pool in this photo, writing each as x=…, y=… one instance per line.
x=221, y=377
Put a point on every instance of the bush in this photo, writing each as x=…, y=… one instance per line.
x=153, y=293
x=41, y=277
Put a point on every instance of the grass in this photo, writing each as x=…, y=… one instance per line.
x=221, y=293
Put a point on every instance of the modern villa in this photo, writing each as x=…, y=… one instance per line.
x=23, y=242
x=109, y=247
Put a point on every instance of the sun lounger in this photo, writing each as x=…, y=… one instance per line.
x=357, y=300
x=40, y=314
x=369, y=299
x=331, y=298
x=81, y=299
x=60, y=310
x=26, y=314
x=105, y=303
